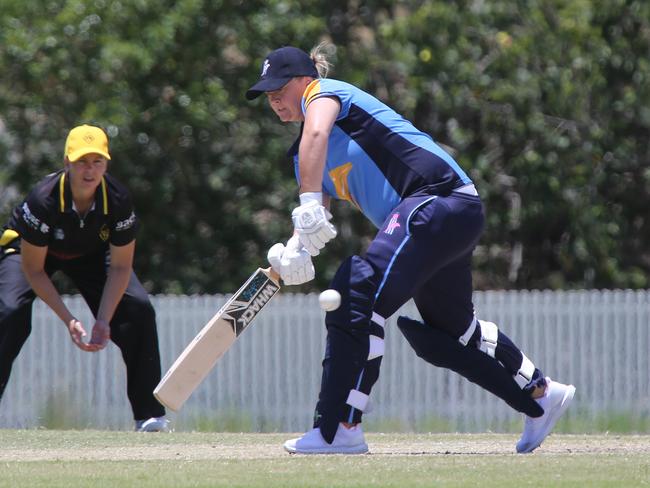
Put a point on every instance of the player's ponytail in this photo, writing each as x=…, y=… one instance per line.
x=319, y=55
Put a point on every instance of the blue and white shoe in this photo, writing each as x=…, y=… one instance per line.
x=154, y=424
x=555, y=401
x=346, y=441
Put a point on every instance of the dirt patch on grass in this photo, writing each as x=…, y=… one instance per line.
x=498, y=444
x=266, y=446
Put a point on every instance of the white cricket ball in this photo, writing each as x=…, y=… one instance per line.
x=329, y=300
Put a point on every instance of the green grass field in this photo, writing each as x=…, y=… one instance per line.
x=53, y=458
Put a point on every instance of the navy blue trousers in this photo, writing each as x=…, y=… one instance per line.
x=423, y=251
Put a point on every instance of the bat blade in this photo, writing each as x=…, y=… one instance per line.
x=216, y=337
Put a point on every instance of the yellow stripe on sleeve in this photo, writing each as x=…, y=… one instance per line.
x=7, y=236
x=311, y=92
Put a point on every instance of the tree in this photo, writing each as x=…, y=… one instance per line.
x=545, y=103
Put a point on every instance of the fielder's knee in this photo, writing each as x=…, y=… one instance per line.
x=134, y=319
x=15, y=322
x=138, y=310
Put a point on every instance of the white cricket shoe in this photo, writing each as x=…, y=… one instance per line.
x=555, y=401
x=346, y=441
x=154, y=424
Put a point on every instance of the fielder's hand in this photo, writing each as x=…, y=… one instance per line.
x=77, y=333
x=312, y=224
x=101, y=334
x=292, y=262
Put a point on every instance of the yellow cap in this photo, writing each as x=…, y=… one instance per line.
x=86, y=139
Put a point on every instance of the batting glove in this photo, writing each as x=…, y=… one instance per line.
x=292, y=262
x=311, y=222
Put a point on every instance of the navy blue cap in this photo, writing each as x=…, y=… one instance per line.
x=279, y=67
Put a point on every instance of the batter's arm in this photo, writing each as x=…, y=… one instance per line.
x=312, y=152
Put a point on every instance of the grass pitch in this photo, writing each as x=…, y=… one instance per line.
x=50, y=458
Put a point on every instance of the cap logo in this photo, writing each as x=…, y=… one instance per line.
x=88, y=138
x=265, y=67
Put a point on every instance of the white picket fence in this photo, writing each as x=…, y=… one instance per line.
x=269, y=380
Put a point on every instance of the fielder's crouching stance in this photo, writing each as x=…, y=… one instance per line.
x=80, y=221
x=430, y=219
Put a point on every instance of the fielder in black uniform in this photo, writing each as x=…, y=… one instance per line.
x=80, y=221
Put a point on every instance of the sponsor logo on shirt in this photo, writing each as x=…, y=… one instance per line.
x=33, y=221
x=58, y=234
x=104, y=233
x=392, y=224
x=126, y=223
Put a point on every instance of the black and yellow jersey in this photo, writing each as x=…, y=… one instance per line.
x=47, y=217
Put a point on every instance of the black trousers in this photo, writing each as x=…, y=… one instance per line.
x=133, y=327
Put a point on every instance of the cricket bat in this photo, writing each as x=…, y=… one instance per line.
x=216, y=337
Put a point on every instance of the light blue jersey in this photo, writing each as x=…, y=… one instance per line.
x=375, y=157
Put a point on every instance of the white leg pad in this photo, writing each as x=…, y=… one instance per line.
x=357, y=400
x=525, y=373
x=378, y=319
x=489, y=336
x=377, y=347
x=464, y=339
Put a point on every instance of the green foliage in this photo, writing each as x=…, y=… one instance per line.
x=545, y=103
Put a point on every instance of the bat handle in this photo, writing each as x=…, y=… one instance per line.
x=271, y=273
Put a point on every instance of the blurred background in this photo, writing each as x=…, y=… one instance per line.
x=545, y=103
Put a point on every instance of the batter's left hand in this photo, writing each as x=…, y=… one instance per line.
x=312, y=224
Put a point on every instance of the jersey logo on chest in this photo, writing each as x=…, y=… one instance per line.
x=339, y=177
x=104, y=233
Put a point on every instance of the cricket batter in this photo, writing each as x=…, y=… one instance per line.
x=430, y=218
x=80, y=221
